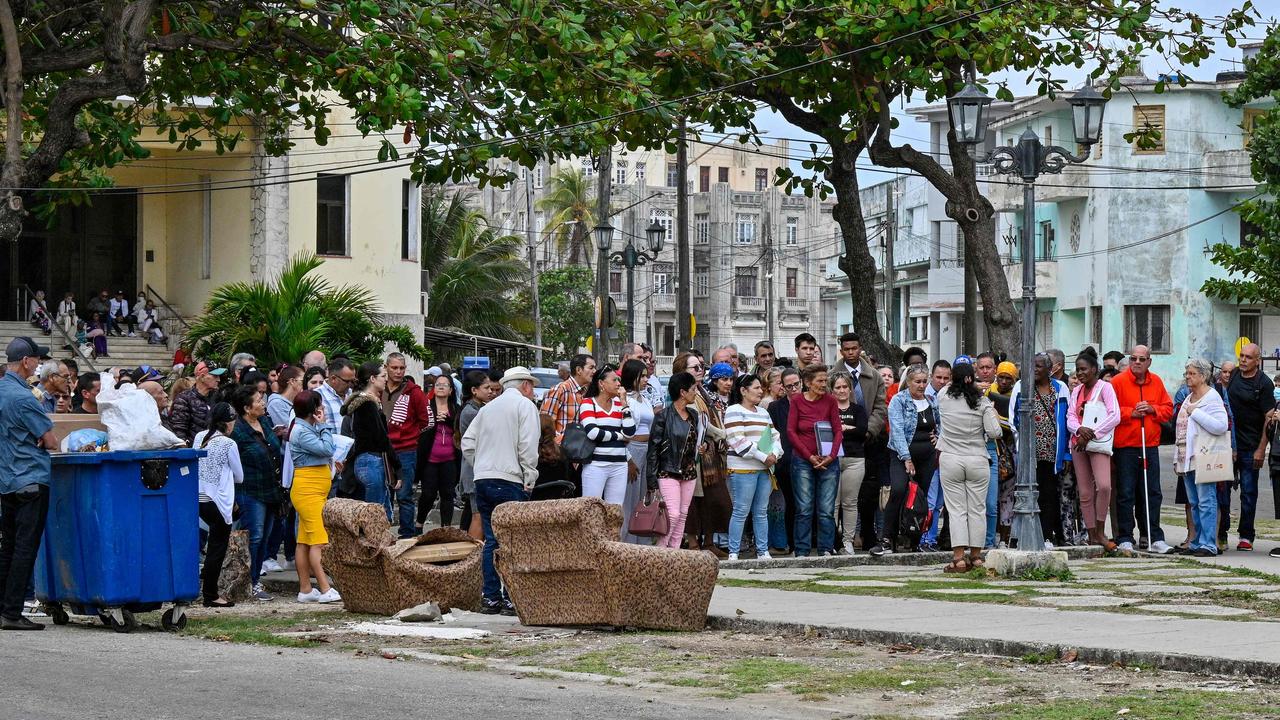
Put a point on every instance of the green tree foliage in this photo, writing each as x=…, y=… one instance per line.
x=298, y=312
x=568, y=307
x=474, y=271
x=1255, y=263
x=571, y=208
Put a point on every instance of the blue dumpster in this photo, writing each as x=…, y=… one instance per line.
x=122, y=536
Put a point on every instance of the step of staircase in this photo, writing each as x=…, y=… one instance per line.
x=124, y=352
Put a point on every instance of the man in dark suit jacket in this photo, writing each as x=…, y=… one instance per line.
x=780, y=537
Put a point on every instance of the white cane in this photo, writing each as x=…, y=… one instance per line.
x=1145, y=491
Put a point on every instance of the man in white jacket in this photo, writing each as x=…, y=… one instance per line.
x=506, y=466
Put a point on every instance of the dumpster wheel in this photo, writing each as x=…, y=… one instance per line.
x=171, y=623
x=57, y=614
x=122, y=621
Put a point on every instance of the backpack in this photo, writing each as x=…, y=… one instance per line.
x=914, y=518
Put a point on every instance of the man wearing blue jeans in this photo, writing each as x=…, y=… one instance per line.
x=405, y=406
x=1250, y=393
x=502, y=445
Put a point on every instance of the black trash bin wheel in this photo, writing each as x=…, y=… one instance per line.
x=129, y=624
x=167, y=621
x=58, y=615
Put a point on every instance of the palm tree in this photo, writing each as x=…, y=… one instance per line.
x=298, y=312
x=473, y=272
x=572, y=215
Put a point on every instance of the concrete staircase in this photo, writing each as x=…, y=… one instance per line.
x=124, y=352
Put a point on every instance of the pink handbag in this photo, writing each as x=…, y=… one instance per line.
x=650, y=517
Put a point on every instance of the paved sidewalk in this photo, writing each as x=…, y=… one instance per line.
x=1193, y=645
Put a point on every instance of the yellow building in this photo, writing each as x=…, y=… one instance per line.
x=180, y=224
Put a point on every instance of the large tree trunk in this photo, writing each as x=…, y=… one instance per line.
x=857, y=263
x=1004, y=325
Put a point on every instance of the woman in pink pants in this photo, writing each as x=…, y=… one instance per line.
x=1092, y=418
x=674, y=439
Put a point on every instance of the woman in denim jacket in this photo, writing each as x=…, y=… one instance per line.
x=311, y=447
x=913, y=430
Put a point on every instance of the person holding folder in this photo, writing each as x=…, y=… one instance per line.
x=814, y=471
x=754, y=446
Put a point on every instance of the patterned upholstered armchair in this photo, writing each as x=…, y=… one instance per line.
x=562, y=565
x=369, y=568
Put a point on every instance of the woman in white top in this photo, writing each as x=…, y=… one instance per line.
x=1092, y=416
x=220, y=471
x=1201, y=413
x=635, y=378
x=754, y=447
x=606, y=418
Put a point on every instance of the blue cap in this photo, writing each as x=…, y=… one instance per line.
x=963, y=360
x=720, y=370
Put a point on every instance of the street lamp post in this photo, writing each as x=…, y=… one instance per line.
x=1028, y=159
x=629, y=257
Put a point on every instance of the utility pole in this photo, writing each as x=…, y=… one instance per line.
x=768, y=276
x=684, y=299
x=533, y=266
x=890, y=237
x=604, y=193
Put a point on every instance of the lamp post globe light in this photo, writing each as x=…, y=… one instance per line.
x=630, y=258
x=1027, y=159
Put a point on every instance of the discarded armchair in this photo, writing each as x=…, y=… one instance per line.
x=377, y=574
x=562, y=565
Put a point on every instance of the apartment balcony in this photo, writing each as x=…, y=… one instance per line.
x=1046, y=277
x=796, y=304
x=747, y=198
x=1005, y=191
x=790, y=202
x=748, y=304
x=663, y=301
x=1227, y=171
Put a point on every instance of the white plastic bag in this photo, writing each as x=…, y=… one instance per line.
x=132, y=418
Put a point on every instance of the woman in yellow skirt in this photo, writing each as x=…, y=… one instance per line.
x=311, y=445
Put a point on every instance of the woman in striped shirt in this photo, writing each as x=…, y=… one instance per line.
x=754, y=446
x=606, y=418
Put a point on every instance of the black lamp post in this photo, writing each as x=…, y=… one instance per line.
x=1027, y=160
x=604, y=238
x=629, y=257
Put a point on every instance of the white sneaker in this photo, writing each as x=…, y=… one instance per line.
x=1125, y=546
x=848, y=547
x=270, y=565
x=733, y=556
x=288, y=565
x=1161, y=547
x=764, y=556
x=329, y=596
x=1048, y=545
x=133, y=334
x=310, y=597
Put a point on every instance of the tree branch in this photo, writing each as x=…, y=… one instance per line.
x=885, y=154
x=12, y=95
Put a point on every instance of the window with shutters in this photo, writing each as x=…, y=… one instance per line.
x=588, y=167
x=620, y=172
x=615, y=281
x=704, y=178
x=793, y=282
x=673, y=175
x=701, y=282
x=331, y=215
x=1251, y=116
x=722, y=175
x=640, y=168
x=663, y=218
x=1147, y=325
x=746, y=229
x=762, y=179
x=744, y=281
x=661, y=283
x=1095, y=322
x=793, y=231
x=701, y=229
x=1149, y=117
x=537, y=177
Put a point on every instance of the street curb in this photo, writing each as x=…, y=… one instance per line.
x=1195, y=664
x=1075, y=552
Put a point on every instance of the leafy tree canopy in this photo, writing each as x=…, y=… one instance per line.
x=567, y=295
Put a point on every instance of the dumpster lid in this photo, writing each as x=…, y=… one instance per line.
x=126, y=456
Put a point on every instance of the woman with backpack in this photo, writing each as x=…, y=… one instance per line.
x=1091, y=419
x=606, y=418
x=219, y=473
x=966, y=420
x=913, y=431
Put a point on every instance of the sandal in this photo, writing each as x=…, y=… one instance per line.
x=977, y=562
x=956, y=566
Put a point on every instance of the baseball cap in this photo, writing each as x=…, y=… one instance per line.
x=203, y=368
x=963, y=360
x=24, y=347
x=144, y=373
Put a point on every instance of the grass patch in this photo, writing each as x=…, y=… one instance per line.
x=598, y=662
x=1166, y=705
x=913, y=589
x=1045, y=574
x=756, y=675
x=1044, y=658
x=254, y=630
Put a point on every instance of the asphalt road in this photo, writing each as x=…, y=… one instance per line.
x=85, y=673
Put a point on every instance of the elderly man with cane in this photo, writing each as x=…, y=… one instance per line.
x=1144, y=405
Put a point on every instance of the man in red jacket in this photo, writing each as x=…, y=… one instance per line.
x=1144, y=405
x=405, y=406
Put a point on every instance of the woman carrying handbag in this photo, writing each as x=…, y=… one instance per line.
x=672, y=459
x=1091, y=421
x=1203, y=448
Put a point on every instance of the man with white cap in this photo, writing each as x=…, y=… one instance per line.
x=502, y=446
x=26, y=438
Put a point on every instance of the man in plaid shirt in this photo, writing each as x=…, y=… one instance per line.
x=561, y=404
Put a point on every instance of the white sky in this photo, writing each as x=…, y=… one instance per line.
x=772, y=124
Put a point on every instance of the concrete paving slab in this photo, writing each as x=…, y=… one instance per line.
x=1162, y=589
x=771, y=575
x=1232, y=579
x=1269, y=595
x=1078, y=601
x=1243, y=587
x=1181, y=571
x=861, y=583
x=1215, y=610
x=1083, y=592
x=1094, y=575
x=970, y=591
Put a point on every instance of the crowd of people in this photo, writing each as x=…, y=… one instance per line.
x=104, y=315
x=752, y=457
